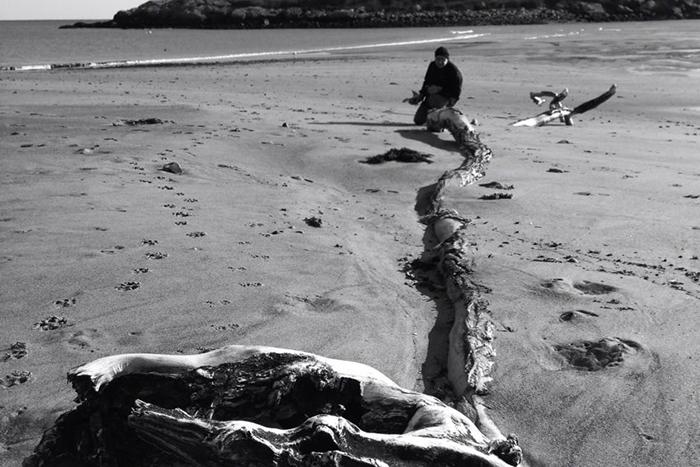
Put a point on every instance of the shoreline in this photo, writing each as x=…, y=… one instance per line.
x=251, y=57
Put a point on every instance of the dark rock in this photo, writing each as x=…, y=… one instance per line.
x=237, y=14
x=172, y=167
x=313, y=221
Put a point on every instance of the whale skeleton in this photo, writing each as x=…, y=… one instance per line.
x=255, y=405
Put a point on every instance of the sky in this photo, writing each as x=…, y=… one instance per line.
x=63, y=9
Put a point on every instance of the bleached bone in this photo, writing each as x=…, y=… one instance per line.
x=471, y=355
x=557, y=109
x=476, y=154
x=249, y=405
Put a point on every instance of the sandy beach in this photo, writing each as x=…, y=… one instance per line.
x=105, y=253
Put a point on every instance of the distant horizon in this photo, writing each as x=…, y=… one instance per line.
x=67, y=10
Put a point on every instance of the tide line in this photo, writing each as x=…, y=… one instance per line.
x=226, y=58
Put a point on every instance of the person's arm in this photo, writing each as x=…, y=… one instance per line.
x=428, y=80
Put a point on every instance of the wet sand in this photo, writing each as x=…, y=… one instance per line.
x=592, y=265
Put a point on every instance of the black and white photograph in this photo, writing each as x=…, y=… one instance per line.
x=291, y=233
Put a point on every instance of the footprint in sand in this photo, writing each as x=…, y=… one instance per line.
x=15, y=378
x=127, y=286
x=85, y=340
x=156, y=255
x=65, y=303
x=51, y=323
x=15, y=352
x=196, y=234
x=598, y=355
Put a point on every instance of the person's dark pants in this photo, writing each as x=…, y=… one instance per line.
x=433, y=101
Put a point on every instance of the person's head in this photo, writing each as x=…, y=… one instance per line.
x=442, y=56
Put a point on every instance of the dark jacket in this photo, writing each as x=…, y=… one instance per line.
x=448, y=77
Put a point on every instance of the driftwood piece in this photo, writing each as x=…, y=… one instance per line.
x=259, y=406
x=557, y=111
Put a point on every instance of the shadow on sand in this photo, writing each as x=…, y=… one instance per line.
x=369, y=124
x=429, y=138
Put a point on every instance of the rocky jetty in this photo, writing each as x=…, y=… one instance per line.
x=237, y=14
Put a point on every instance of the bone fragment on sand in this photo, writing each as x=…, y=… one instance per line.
x=430, y=429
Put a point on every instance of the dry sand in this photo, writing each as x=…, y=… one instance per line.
x=139, y=260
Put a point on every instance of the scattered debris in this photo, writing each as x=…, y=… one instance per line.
x=497, y=186
x=497, y=196
x=142, y=121
x=399, y=155
x=597, y=355
x=313, y=221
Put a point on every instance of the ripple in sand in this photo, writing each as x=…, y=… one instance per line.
x=597, y=355
x=566, y=286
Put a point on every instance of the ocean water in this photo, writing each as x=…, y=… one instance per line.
x=648, y=46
